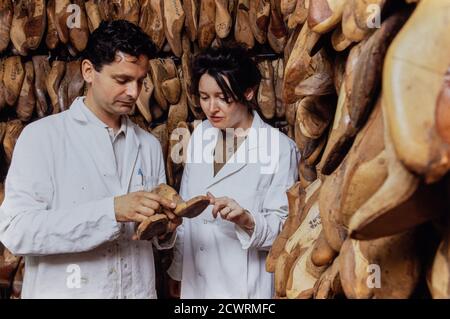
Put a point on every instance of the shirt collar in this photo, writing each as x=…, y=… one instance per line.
x=92, y=118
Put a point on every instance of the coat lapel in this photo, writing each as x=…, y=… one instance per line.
x=243, y=155
x=132, y=147
x=98, y=146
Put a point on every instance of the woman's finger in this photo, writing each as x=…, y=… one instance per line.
x=235, y=213
x=217, y=207
x=225, y=211
x=211, y=197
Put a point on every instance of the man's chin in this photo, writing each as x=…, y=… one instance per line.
x=124, y=109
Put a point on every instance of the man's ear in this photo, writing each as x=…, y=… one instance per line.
x=87, y=69
x=249, y=94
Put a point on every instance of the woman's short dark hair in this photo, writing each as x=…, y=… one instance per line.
x=231, y=62
x=114, y=36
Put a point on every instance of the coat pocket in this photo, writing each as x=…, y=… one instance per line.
x=143, y=183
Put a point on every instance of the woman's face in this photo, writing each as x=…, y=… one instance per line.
x=220, y=113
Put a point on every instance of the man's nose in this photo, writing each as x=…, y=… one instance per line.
x=133, y=90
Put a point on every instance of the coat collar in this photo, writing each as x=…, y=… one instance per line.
x=250, y=141
x=240, y=158
x=97, y=141
x=76, y=112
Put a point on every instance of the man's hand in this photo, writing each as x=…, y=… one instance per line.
x=137, y=206
x=174, y=222
x=230, y=210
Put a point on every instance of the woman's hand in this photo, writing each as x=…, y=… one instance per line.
x=230, y=210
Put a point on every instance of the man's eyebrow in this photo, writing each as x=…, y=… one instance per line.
x=127, y=77
x=123, y=76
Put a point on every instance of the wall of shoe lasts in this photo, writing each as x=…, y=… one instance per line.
x=363, y=86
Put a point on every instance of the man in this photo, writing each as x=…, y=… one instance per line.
x=79, y=181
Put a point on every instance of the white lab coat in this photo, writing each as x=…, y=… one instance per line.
x=214, y=258
x=58, y=210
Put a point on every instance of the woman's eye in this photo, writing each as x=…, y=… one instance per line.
x=204, y=98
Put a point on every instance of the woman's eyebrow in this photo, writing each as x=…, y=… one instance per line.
x=215, y=93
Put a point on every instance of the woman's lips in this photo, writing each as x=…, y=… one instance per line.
x=216, y=119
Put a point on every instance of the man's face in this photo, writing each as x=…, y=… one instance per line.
x=116, y=87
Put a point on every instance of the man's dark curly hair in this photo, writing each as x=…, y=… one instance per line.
x=114, y=36
x=231, y=62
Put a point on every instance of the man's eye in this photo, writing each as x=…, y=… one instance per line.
x=121, y=81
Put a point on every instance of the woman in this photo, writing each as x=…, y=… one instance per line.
x=245, y=166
